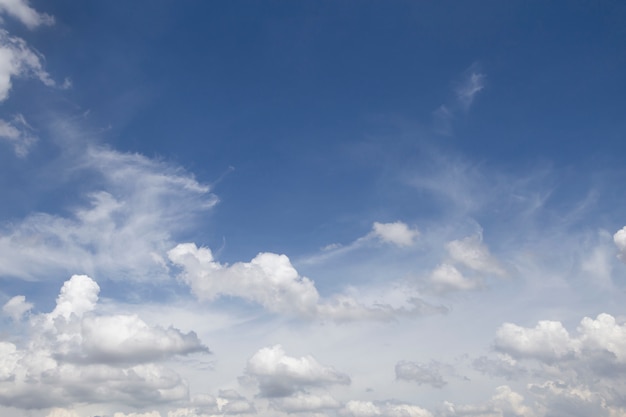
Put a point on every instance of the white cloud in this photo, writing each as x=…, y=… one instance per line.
x=271, y=281
x=73, y=354
x=620, y=241
x=397, y=233
x=146, y=414
x=447, y=278
x=133, y=214
x=474, y=254
x=16, y=307
x=302, y=402
x=279, y=375
x=17, y=59
x=548, y=341
x=19, y=134
x=21, y=10
x=504, y=403
x=383, y=409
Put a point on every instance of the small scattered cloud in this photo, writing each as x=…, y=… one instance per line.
x=472, y=253
x=19, y=134
x=447, y=277
x=397, y=233
x=355, y=408
x=422, y=374
x=279, y=375
x=16, y=307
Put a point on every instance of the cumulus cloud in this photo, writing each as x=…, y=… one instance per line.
x=620, y=241
x=73, y=354
x=18, y=134
x=428, y=374
x=124, y=230
x=548, y=341
x=271, y=281
x=397, y=233
x=16, y=307
x=279, y=375
x=21, y=10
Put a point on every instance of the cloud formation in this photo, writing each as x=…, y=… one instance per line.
x=397, y=233
x=73, y=354
x=280, y=375
x=21, y=10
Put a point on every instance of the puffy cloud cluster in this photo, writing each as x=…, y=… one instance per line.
x=73, y=354
x=271, y=281
x=279, y=375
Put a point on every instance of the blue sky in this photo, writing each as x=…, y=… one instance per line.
x=331, y=208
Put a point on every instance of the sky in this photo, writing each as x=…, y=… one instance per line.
x=312, y=208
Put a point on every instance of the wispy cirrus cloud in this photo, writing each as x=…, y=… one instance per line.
x=22, y=11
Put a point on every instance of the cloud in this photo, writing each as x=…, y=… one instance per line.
x=135, y=208
x=620, y=241
x=279, y=375
x=16, y=307
x=17, y=59
x=397, y=233
x=504, y=403
x=428, y=374
x=447, y=278
x=356, y=408
x=75, y=355
x=304, y=402
x=19, y=134
x=472, y=253
x=271, y=281
x=548, y=341
x=21, y=10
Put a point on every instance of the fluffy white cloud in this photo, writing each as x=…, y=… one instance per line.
x=548, y=341
x=429, y=374
x=21, y=10
x=16, y=307
x=474, y=254
x=447, y=278
x=123, y=231
x=19, y=134
x=279, y=375
x=397, y=233
x=620, y=241
x=73, y=354
x=271, y=281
